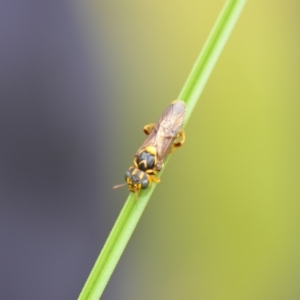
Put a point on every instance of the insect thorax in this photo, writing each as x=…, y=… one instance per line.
x=146, y=159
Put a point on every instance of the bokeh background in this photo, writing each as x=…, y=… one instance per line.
x=78, y=82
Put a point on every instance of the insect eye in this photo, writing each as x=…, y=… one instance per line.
x=145, y=184
x=127, y=175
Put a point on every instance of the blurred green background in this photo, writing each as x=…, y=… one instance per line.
x=224, y=222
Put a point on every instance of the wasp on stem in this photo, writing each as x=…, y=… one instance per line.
x=163, y=137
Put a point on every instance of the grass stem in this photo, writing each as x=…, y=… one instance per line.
x=133, y=209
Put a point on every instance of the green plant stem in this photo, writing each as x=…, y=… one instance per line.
x=210, y=53
x=133, y=209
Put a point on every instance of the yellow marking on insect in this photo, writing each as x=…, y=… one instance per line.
x=151, y=150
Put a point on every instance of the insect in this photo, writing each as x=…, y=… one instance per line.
x=163, y=137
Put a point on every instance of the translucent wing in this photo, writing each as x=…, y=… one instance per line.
x=165, y=130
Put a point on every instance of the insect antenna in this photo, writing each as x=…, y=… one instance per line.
x=118, y=186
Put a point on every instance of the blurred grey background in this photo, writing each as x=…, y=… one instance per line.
x=53, y=177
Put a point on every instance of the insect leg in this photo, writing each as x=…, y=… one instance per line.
x=155, y=179
x=152, y=176
x=148, y=128
x=179, y=141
